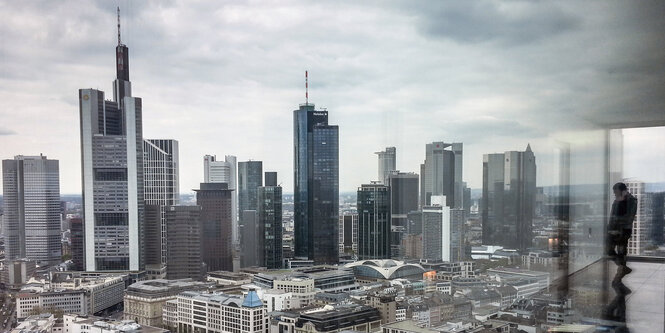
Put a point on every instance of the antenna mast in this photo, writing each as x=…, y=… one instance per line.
x=119, y=42
x=306, y=90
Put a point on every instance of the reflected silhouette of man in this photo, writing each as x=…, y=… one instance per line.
x=620, y=227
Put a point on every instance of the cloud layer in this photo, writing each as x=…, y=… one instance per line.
x=223, y=78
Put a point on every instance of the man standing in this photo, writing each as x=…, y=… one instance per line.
x=620, y=227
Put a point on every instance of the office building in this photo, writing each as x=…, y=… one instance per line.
x=226, y=171
x=112, y=173
x=216, y=223
x=509, y=193
x=143, y=301
x=348, y=233
x=183, y=230
x=656, y=203
x=457, y=234
x=161, y=189
x=387, y=164
x=403, y=199
x=78, y=244
x=269, y=213
x=223, y=313
x=250, y=245
x=441, y=173
x=72, y=323
x=31, y=206
x=356, y=318
x=373, y=221
x=250, y=178
x=436, y=230
x=326, y=278
x=641, y=236
x=316, y=185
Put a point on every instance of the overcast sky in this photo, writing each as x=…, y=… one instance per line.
x=224, y=77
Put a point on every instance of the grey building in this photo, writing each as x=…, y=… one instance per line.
x=31, y=206
x=270, y=222
x=373, y=222
x=225, y=171
x=441, y=173
x=509, y=193
x=348, y=233
x=316, y=185
x=250, y=178
x=387, y=163
x=161, y=189
x=216, y=223
x=183, y=230
x=403, y=199
x=250, y=245
x=112, y=173
x=457, y=218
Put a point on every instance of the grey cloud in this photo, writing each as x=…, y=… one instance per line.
x=511, y=22
x=7, y=131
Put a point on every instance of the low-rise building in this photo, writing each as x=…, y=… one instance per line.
x=406, y=326
x=225, y=278
x=91, y=324
x=358, y=318
x=44, y=322
x=143, y=301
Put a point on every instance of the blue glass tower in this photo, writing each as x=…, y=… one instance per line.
x=316, y=185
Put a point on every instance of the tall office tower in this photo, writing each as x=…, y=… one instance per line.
x=509, y=193
x=224, y=172
x=441, y=173
x=403, y=199
x=348, y=234
x=467, y=200
x=656, y=204
x=387, y=163
x=436, y=230
x=216, y=223
x=249, y=239
x=457, y=218
x=250, y=178
x=270, y=222
x=641, y=237
x=316, y=185
x=183, y=229
x=78, y=244
x=161, y=189
x=374, y=222
x=31, y=192
x=112, y=172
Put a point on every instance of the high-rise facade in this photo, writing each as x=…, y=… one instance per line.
x=457, y=218
x=441, y=173
x=348, y=233
x=183, y=229
x=112, y=172
x=31, y=220
x=656, y=204
x=226, y=171
x=374, y=222
x=403, y=199
x=216, y=225
x=250, y=244
x=509, y=193
x=436, y=233
x=316, y=185
x=641, y=236
x=78, y=244
x=161, y=189
x=250, y=178
x=270, y=222
x=387, y=163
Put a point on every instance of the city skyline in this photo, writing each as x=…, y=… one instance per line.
x=475, y=96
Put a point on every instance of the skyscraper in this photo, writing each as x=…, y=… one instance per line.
x=457, y=218
x=441, y=173
x=250, y=242
x=112, y=172
x=78, y=243
x=316, y=185
x=387, y=163
x=373, y=222
x=216, y=224
x=183, y=258
x=224, y=172
x=509, y=193
x=161, y=189
x=31, y=192
x=656, y=205
x=403, y=199
x=270, y=222
x=436, y=233
x=641, y=237
x=250, y=178
x=348, y=233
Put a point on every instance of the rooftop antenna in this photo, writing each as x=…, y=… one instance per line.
x=119, y=42
x=306, y=89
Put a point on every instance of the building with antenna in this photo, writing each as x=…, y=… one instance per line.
x=316, y=184
x=112, y=172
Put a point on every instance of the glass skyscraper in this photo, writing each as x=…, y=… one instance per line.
x=373, y=222
x=316, y=185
